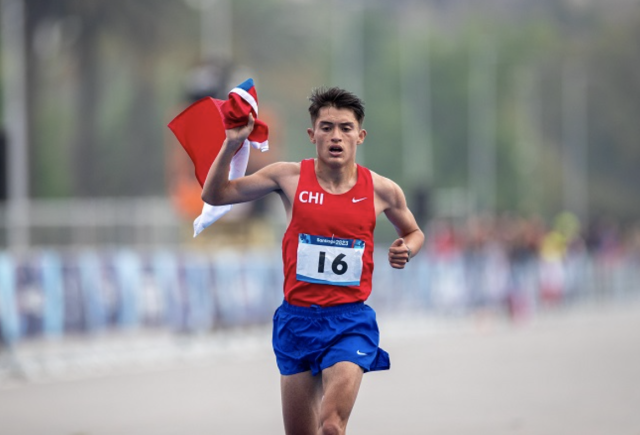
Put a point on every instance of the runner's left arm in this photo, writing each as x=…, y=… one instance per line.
x=411, y=237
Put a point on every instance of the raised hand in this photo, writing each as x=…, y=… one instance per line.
x=237, y=136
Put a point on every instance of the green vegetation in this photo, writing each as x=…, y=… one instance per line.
x=106, y=77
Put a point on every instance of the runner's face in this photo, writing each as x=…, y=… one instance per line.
x=336, y=135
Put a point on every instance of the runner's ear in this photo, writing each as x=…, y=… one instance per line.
x=311, y=134
x=362, y=135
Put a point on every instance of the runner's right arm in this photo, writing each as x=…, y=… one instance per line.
x=219, y=190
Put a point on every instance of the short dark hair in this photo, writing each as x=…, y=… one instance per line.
x=338, y=98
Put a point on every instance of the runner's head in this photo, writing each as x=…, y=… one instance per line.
x=338, y=98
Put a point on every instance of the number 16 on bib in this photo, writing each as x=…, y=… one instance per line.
x=329, y=260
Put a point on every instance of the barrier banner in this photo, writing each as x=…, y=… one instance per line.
x=164, y=267
x=152, y=298
x=9, y=321
x=127, y=271
x=29, y=296
x=90, y=276
x=199, y=293
x=72, y=296
x=51, y=276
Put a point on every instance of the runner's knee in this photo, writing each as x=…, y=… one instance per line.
x=333, y=425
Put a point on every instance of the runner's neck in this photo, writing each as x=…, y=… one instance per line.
x=336, y=180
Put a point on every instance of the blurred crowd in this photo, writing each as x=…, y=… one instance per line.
x=521, y=263
x=509, y=266
x=526, y=237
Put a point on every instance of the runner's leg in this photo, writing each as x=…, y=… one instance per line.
x=341, y=383
x=301, y=396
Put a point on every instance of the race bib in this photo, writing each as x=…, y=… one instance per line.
x=329, y=260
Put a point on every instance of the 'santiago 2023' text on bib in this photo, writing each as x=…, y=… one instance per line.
x=329, y=260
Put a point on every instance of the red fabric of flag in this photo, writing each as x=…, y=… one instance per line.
x=200, y=130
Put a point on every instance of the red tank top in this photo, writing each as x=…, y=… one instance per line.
x=327, y=248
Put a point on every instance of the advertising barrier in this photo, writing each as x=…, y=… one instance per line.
x=59, y=293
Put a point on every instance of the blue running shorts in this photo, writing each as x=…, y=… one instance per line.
x=316, y=338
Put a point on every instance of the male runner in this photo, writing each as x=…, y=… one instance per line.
x=324, y=336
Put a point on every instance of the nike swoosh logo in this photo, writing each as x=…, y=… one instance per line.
x=354, y=200
x=361, y=353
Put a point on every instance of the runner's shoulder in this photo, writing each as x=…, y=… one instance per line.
x=387, y=191
x=383, y=186
x=281, y=170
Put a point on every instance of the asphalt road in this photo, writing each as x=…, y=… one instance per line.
x=572, y=373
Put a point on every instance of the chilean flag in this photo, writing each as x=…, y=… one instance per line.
x=200, y=129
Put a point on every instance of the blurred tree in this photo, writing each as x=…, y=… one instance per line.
x=3, y=166
x=133, y=35
x=614, y=104
x=98, y=74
